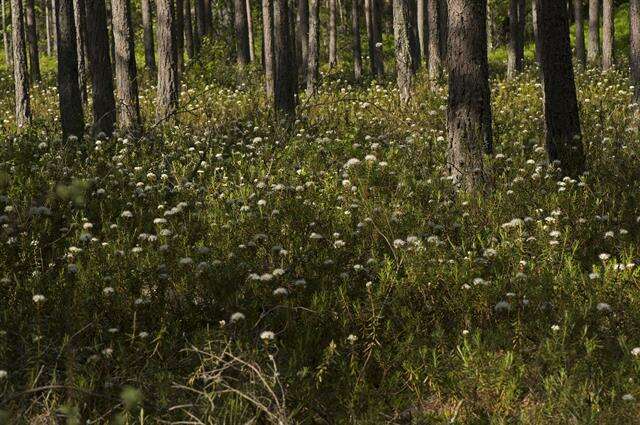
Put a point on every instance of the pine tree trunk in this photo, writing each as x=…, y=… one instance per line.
x=201, y=19
x=443, y=28
x=268, y=55
x=32, y=39
x=370, y=37
x=355, y=37
x=112, y=44
x=71, y=117
x=314, y=48
x=562, y=122
x=188, y=29
x=376, y=29
x=104, y=106
x=435, y=60
x=285, y=79
x=536, y=28
x=79, y=16
x=634, y=46
x=54, y=19
x=516, y=44
x=243, y=57
x=302, y=35
x=522, y=25
x=423, y=35
x=167, y=96
x=404, y=60
x=412, y=33
x=147, y=28
x=126, y=72
x=20, y=76
x=47, y=24
x=6, y=41
x=333, y=41
x=252, y=56
x=581, y=54
x=608, y=35
x=208, y=17
x=593, y=51
x=469, y=108
x=179, y=29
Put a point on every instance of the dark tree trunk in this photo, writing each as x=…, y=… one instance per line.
x=250, y=31
x=404, y=60
x=516, y=44
x=71, y=118
x=536, y=28
x=522, y=26
x=79, y=16
x=47, y=24
x=355, y=38
x=268, y=55
x=435, y=60
x=302, y=35
x=376, y=30
x=593, y=52
x=634, y=46
x=167, y=96
x=412, y=33
x=314, y=48
x=179, y=29
x=112, y=43
x=32, y=39
x=126, y=72
x=443, y=28
x=201, y=19
x=147, y=28
x=188, y=29
x=20, y=76
x=286, y=72
x=469, y=108
x=104, y=105
x=423, y=35
x=208, y=16
x=333, y=41
x=608, y=34
x=243, y=57
x=562, y=122
x=6, y=40
x=581, y=54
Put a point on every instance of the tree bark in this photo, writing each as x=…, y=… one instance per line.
x=581, y=54
x=302, y=35
x=608, y=34
x=147, y=28
x=167, y=96
x=404, y=59
x=32, y=40
x=47, y=24
x=188, y=29
x=333, y=43
x=423, y=35
x=376, y=29
x=71, y=117
x=243, y=57
x=469, y=108
x=54, y=19
x=179, y=30
x=250, y=31
x=536, y=28
x=355, y=38
x=6, y=41
x=634, y=47
x=314, y=48
x=435, y=60
x=201, y=19
x=286, y=72
x=593, y=51
x=104, y=106
x=79, y=16
x=516, y=43
x=268, y=57
x=20, y=76
x=126, y=72
x=562, y=122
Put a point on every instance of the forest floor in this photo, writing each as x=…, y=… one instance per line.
x=225, y=270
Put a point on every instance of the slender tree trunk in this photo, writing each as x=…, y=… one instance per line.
x=522, y=26
x=104, y=106
x=208, y=16
x=593, y=51
x=32, y=39
x=201, y=19
x=469, y=108
x=412, y=33
x=54, y=19
x=376, y=29
x=252, y=55
x=179, y=29
x=581, y=54
x=112, y=43
x=370, y=37
x=314, y=48
x=79, y=16
x=562, y=122
x=147, y=28
x=608, y=34
x=20, y=76
x=243, y=57
x=167, y=96
x=634, y=46
x=126, y=71
x=302, y=35
x=268, y=55
x=423, y=35
x=435, y=60
x=285, y=78
x=404, y=60
x=516, y=45
x=443, y=28
x=355, y=37
x=71, y=117
x=333, y=43
x=6, y=41
x=47, y=24
x=188, y=29
x=536, y=28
